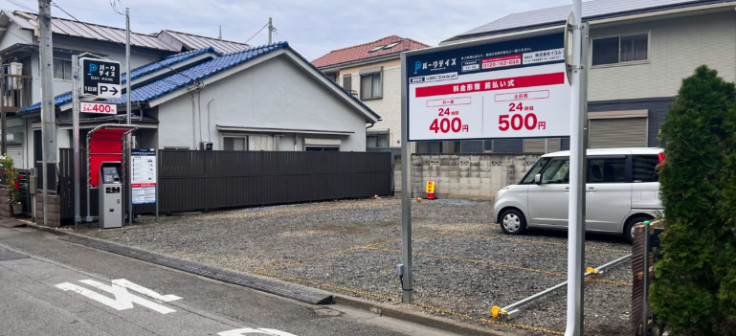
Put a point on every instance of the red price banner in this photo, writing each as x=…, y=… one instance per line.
x=103, y=108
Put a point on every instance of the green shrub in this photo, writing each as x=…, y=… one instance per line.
x=695, y=290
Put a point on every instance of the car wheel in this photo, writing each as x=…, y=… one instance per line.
x=629, y=228
x=512, y=222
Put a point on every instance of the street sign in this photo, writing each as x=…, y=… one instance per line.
x=100, y=78
x=93, y=107
x=510, y=89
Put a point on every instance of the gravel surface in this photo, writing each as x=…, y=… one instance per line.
x=464, y=264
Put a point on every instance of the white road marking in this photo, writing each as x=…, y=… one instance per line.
x=123, y=300
x=262, y=331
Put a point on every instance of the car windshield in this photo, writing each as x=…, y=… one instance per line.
x=529, y=177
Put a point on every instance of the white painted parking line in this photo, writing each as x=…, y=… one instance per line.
x=123, y=299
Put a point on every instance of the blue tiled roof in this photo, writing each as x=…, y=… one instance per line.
x=196, y=73
x=188, y=76
x=167, y=62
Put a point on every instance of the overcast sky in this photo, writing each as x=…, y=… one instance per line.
x=312, y=27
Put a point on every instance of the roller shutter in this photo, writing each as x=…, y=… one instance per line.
x=622, y=132
x=537, y=145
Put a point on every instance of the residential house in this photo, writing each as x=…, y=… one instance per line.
x=638, y=53
x=19, y=56
x=263, y=98
x=225, y=96
x=372, y=72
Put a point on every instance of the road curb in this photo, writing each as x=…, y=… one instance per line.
x=273, y=286
x=268, y=285
x=424, y=319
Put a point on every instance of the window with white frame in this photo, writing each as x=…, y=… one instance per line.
x=620, y=49
x=370, y=83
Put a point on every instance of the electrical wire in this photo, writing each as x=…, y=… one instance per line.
x=109, y=40
x=254, y=35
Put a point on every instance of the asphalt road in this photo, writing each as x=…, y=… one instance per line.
x=53, y=287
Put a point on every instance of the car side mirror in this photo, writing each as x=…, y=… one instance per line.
x=538, y=179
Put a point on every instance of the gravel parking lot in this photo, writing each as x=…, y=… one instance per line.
x=463, y=264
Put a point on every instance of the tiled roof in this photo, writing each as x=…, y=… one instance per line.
x=191, y=41
x=196, y=73
x=591, y=10
x=368, y=50
x=165, y=40
x=191, y=75
x=167, y=62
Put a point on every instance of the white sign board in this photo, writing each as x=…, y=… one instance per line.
x=111, y=91
x=512, y=89
x=143, y=175
x=93, y=107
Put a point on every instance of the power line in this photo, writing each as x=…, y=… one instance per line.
x=109, y=40
x=254, y=35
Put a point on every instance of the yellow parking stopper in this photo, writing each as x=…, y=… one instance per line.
x=497, y=311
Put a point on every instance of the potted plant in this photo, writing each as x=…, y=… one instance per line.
x=11, y=177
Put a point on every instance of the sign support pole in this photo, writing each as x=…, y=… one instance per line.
x=75, y=141
x=576, y=205
x=407, y=278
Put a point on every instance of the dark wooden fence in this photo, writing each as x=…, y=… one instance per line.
x=208, y=180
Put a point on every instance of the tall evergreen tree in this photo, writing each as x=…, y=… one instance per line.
x=695, y=290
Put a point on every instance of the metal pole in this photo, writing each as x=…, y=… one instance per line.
x=576, y=205
x=645, y=290
x=3, y=150
x=48, y=115
x=560, y=285
x=75, y=131
x=128, y=113
x=406, y=256
x=157, y=182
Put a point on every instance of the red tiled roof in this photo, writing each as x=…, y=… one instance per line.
x=362, y=51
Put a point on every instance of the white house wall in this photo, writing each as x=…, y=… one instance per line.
x=389, y=106
x=677, y=47
x=272, y=94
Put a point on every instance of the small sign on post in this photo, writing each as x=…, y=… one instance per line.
x=143, y=175
x=101, y=78
x=430, y=189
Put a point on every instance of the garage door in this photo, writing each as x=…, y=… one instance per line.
x=618, y=129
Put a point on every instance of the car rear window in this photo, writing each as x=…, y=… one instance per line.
x=645, y=168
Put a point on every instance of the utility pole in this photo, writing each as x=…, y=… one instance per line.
x=270, y=30
x=128, y=136
x=48, y=113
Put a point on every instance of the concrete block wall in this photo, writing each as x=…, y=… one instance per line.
x=465, y=176
x=53, y=213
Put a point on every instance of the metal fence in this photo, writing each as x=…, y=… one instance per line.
x=207, y=180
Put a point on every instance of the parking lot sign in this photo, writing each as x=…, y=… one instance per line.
x=101, y=78
x=482, y=90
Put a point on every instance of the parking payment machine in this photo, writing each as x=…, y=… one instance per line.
x=110, y=196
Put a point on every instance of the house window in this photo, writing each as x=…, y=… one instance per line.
x=347, y=82
x=620, y=49
x=235, y=143
x=377, y=140
x=62, y=68
x=370, y=83
x=321, y=145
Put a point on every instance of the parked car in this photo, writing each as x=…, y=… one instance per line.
x=622, y=189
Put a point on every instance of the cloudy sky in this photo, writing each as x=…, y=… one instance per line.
x=312, y=27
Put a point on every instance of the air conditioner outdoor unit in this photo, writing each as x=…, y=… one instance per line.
x=205, y=145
